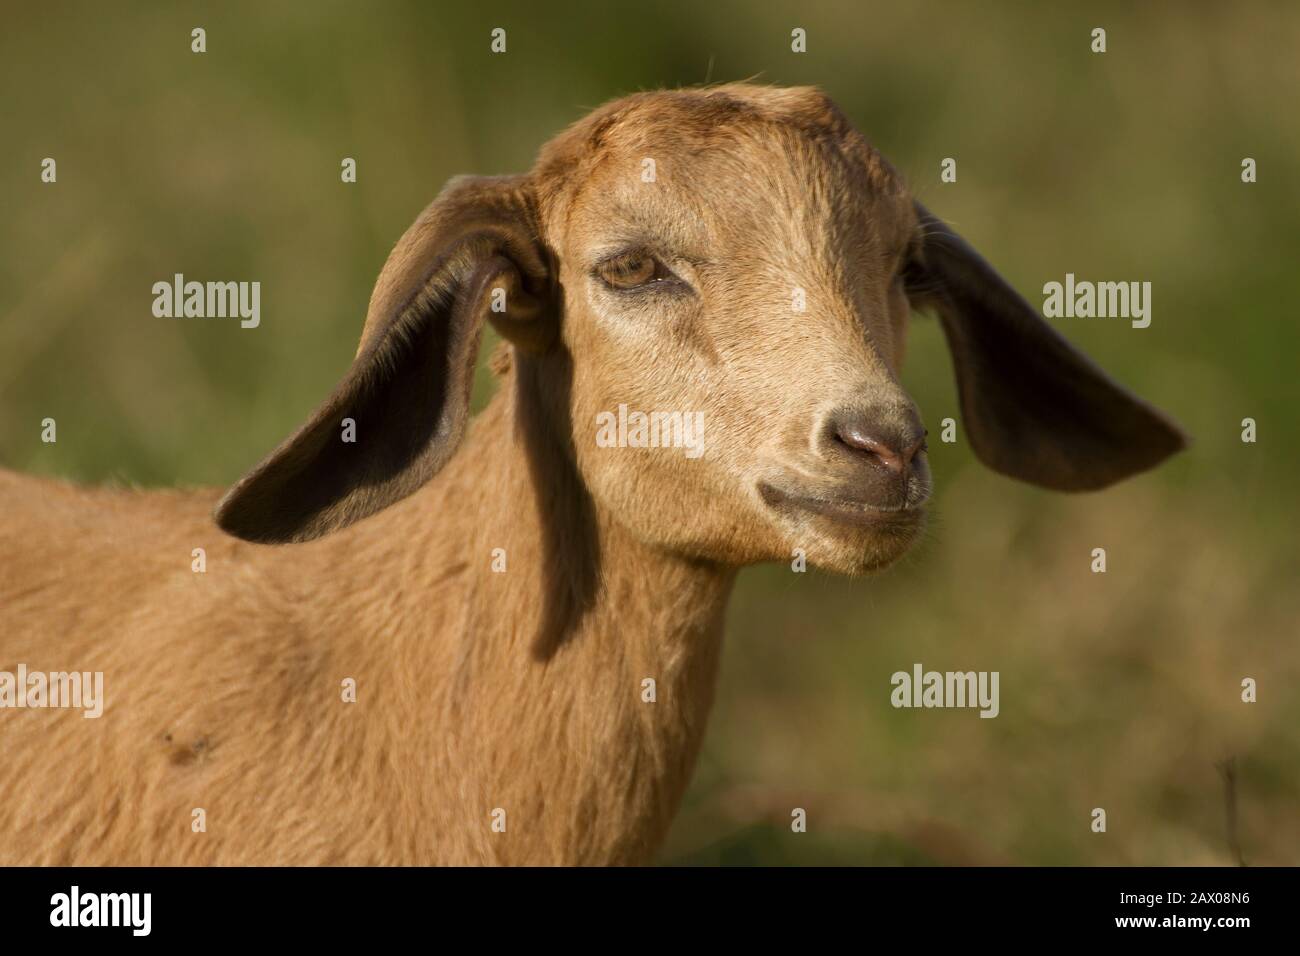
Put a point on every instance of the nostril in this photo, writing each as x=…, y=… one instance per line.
x=890, y=448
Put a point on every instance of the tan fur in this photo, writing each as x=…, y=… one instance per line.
x=480, y=690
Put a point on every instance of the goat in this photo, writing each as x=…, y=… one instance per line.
x=501, y=609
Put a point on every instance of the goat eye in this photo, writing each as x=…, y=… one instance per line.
x=633, y=270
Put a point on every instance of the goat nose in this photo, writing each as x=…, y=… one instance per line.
x=891, y=445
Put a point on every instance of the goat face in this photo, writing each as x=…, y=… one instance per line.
x=707, y=293
x=733, y=259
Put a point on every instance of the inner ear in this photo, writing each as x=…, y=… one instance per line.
x=1035, y=407
x=398, y=414
x=387, y=426
x=528, y=319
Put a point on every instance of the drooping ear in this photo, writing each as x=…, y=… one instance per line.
x=1035, y=408
x=474, y=253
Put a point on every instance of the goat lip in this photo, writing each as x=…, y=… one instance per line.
x=842, y=510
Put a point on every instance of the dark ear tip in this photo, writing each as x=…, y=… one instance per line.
x=238, y=515
x=1173, y=437
x=1177, y=442
x=1147, y=443
x=233, y=520
x=1165, y=440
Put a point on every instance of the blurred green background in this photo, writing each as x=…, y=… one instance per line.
x=1118, y=690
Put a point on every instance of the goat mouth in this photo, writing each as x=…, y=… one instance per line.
x=845, y=511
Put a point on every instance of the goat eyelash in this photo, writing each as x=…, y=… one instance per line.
x=660, y=278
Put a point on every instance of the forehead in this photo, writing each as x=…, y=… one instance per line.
x=706, y=169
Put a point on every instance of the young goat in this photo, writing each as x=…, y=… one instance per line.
x=499, y=713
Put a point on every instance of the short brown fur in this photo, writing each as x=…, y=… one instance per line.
x=523, y=690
